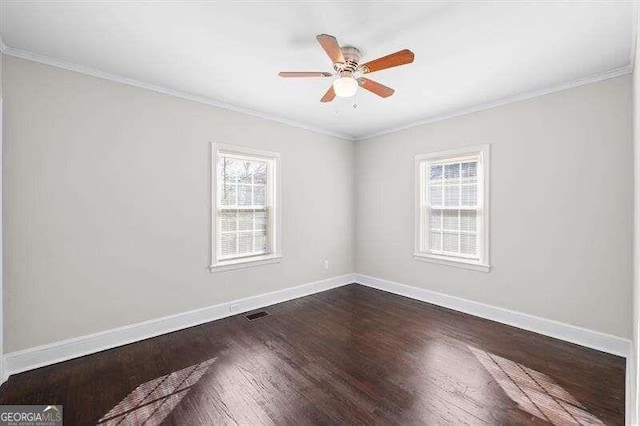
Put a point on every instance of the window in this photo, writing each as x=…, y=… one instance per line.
x=245, y=207
x=452, y=216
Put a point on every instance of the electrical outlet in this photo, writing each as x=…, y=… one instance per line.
x=326, y=264
x=234, y=308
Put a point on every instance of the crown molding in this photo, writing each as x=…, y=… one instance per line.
x=35, y=57
x=504, y=101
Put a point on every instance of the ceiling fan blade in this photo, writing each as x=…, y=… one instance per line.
x=331, y=46
x=375, y=87
x=395, y=59
x=329, y=96
x=304, y=74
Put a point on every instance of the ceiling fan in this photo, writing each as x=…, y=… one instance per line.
x=346, y=63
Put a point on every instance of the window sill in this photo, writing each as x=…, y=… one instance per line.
x=459, y=263
x=244, y=263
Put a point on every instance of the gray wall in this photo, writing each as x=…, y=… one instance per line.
x=634, y=364
x=106, y=191
x=107, y=204
x=561, y=206
x=2, y=370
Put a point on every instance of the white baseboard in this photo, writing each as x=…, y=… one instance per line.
x=40, y=356
x=570, y=333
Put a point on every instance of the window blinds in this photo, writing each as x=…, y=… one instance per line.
x=450, y=210
x=243, y=206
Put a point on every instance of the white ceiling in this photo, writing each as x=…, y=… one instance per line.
x=467, y=54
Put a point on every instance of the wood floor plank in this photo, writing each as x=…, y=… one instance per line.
x=351, y=355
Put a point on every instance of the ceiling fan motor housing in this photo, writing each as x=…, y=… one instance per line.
x=351, y=60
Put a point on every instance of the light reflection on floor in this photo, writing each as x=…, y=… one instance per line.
x=534, y=392
x=151, y=402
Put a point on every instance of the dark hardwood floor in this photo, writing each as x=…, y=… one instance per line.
x=352, y=355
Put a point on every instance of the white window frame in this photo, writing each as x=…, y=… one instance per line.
x=481, y=151
x=274, y=230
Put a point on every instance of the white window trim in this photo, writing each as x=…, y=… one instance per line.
x=484, y=171
x=276, y=223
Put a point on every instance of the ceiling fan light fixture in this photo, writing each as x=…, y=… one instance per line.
x=345, y=87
